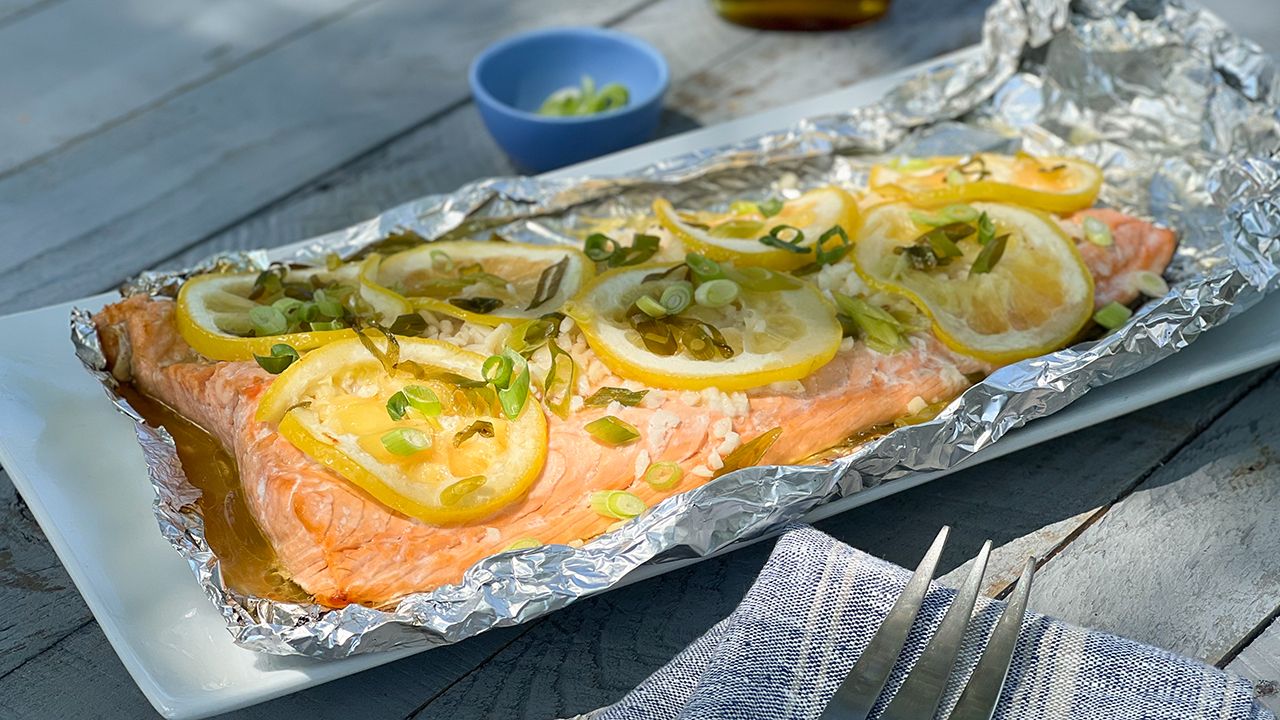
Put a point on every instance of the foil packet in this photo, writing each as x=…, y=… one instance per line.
x=1180, y=113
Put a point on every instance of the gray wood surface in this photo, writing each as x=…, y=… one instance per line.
x=152, y=132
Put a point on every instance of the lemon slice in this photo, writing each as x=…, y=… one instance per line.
x=736, y=236
x=1034, y=299
x=386, y=304
x=1055, y=184
x=772, y=336
x=332, y=405
x=463, y=278
x=213, y=317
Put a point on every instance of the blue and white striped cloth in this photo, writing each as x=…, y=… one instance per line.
x=818, y=602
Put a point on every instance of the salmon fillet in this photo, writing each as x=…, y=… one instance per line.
x=342, y=546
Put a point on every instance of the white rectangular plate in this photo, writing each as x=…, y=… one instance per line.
x=78, y=466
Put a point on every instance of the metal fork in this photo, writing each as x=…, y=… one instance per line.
x=921, y=693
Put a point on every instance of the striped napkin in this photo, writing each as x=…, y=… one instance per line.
x=818, y=602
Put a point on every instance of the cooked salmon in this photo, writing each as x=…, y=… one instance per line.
x=342, y=546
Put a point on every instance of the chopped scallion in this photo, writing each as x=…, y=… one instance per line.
x=1150, y=284
x=497, y=370
x=663, y=475
x=1097, y=232
x=267, y=320
x=651, y=307
x=618, y=504
x=702, y=267
x=716, y=293
x=960, y=213
x=405, y=441
x=516, y=393
x=441, y=262
x=770, y=207
x=281, y=357
x=676, y=297
x=622, y=396
x=927, y=219
x=1112, y=315
x=483, y=428
x=989, y=255
x=612, y=430
x=423, y=399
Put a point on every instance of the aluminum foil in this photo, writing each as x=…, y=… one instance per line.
x=1181, y=114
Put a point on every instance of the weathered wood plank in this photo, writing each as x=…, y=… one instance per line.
x=41, y=604
x=706, y=55
x=103, y=208
x=1006, y=561
x=87, y=64
x=1260, y=662
x=13, y=11
x=590, y=654
x=455, y=149
x=1187, y=562
x=784, y=67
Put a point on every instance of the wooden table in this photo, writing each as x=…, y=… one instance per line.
x=158, y=131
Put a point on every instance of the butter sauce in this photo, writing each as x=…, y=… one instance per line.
x=249, y=563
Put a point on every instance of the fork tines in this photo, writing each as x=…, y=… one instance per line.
x=922, y=691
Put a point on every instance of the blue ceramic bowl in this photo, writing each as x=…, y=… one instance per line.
x=510, y=80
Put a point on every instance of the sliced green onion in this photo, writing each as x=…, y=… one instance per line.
x=1150, y=284
x=770, y=207
x=758, y=279
x=441, y=262
x=410, y=324
x=397, y=404
x=527, y=543
x=826, y=256
x=482, y=305
x=288, y=306
x=1097, y=232
x=281, y=357
x=454, y=494
x=329, y=325
x=405, y=441
x=955, y=177
x=612, y=430
x=267, y=320
x=557, y=389
x=332, y=261
x=1112, y=315
x=650, y=307
x=702, y=267
x=599, y=247
x=775, y=239
x=743, y=207
x=989, y=256
x=329, y=307
x=716, y=293
x=513, y=397
x=483, y=428
x=642, y=248
x=423, y=399
x=497, y=370
x=749, y=453
x=960, y=213
x=663, y=475
x=548, y=283
x=622, y=396
x=618, y=504
x=986, y=229
x=881, y=331
x=677, y=297
x=927, y=219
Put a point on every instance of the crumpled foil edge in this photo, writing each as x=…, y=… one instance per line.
x=1221, y=189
